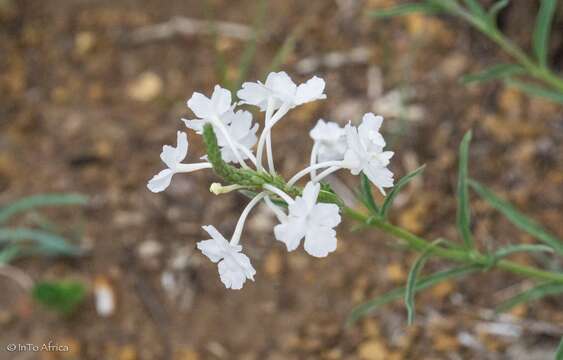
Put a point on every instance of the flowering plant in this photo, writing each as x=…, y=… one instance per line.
x=313, y=211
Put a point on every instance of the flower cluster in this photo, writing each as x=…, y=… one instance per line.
x=301, y=212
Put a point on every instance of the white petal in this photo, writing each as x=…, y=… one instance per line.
x=310, y=194
x=310, y=91
x=254, y=94
x=201, y=106
x=321, y=241
x=352, y=162
x=290, y=233
x=172, y=156
x=369, y=129
x=282, y=85
x=221, y=99
x=234, y=271
x=212, y=249
x=160, y=181
x=196, y=125
x=326, y=215
x=381, y=177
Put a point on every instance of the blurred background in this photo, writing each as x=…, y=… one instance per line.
x=92, y=89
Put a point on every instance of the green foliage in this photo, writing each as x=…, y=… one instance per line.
x=405, y=9
x=526, y=248
x=421, y=284
x=517, y=218
x=542, y=30
x=8, y=254
x=62, y=297
x=463, y=218
x=496, y=9
x=559, y=351
x=366, y=195
x=37, y=201
x=536, y=90
x=412, y=279
x=475, y=8
x=46, y=243
x=535, y=293
x=495, y=72
x=388, y=202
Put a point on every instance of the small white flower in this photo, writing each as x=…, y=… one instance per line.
x=173, y=157
x=330, y=139
x=241, y=131
x=234, y=267
x=281, y=90
x=210, y=109
x=365, y=153
x=312, y=221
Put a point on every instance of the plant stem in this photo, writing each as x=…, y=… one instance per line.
x=462, y=256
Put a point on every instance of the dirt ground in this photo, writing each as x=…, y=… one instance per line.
x=86, y=105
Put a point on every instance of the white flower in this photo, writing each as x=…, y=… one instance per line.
x=330, y=139
x=234, y=267
x=365, y=153
x=241, y=131
x=173, y=157
x=281, y=90
x=210, y=109
x=312, y=221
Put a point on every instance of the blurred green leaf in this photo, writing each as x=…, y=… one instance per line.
x=423, y=283
x=542, y=30
x=412, y=279
x=60, y=296
x=366, y=194
x=463, y=218
x=475, y=8
x=496, y=9
x=559, y=351
x=8, y=254
x=494, y=72
x=535, y=90
x=529, y=248
x=36, y=201
x=286, y=48
x=535, y=293
x=517, y=218
x=48, y=243
x=406, y=9
x=388, y=202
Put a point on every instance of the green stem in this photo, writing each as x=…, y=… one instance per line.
x=490, y=30
x=462, y=256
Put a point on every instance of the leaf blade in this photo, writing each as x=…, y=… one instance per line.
x=367, y=194
x=535, y=90
x=48, y=243
x=495, y=72
x=512, y=249
x=425, y=282
x=535, y=293
x=388, y=202
x=42, y=200
x=463, y=215
x=518, y=219
x=542, y=30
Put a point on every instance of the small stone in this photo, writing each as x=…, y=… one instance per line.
x=83, y=42
x=273, y=263
x=372, y=350
x=146, y=87
x=149, y=249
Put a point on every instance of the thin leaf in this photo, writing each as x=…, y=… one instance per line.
x=517, y=218
x=398, y=293
x=61, y=296
x=494, y=72
x=496, y=9
x=388, y=202
x=412, y=279
x=535, y=293
x=286, y=49
x=559, y=351
x=8, y=254
x=36, y=201
x=366, y=195
x=535, y=90
x=463, y=218
x=529, y=248
x=405, y=9
x=475, y=8
x=542, y=30
x=48, y=243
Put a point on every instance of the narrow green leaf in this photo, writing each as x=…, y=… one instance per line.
x=61, y=296
x=475, y=8
x=463, y=211
x=8, y=254
x=405, y=9
x=559, y=351
x=286, y=49
x=494, y=72
x=48, y=243
x=530, y=248
x=412, y=279
x=535, y=90
x=520, y=220
x=366, y=194
x=496, y=8
x=535, y=293
x=36, y=201
x=542, y=30
x=398, y=293
x=388, y=202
